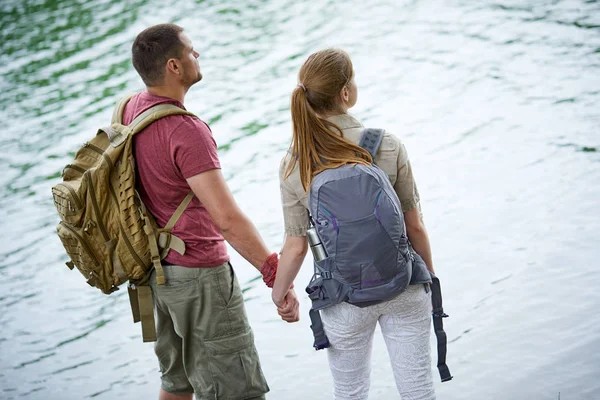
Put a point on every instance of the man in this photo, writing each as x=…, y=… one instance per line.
x=204, y=343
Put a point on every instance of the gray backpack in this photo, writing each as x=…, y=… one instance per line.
x=358, y=218
x=364, y=256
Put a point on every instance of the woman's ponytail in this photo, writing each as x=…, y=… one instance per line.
x=317, y=143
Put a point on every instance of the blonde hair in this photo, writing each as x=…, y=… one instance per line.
x=318, y=144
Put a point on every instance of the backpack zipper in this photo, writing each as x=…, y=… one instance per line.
x=75, y=167
x=84, y=244
x=93, y=147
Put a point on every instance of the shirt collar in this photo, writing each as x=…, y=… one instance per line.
x=345, y=121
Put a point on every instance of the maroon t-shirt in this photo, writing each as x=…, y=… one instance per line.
x=166, y=153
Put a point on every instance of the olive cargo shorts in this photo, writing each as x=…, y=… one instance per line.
x=204, y=342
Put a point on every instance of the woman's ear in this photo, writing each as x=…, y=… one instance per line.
x=344, y=95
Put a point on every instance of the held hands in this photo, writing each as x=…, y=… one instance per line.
x=288, y=306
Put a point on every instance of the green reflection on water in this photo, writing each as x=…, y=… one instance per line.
x=250, y=129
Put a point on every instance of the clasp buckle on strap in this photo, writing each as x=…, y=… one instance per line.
x=439, y=313
x=325, y=274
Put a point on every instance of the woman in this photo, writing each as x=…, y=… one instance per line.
x=326, y=136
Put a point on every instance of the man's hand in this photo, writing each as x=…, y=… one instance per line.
x=289, y=307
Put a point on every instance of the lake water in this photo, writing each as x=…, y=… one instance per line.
x=498, y=103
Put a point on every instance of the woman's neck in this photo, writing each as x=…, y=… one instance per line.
x=333, y=113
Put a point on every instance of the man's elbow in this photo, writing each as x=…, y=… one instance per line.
x=227, y=222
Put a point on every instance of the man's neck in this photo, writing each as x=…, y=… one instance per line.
x=171, y=91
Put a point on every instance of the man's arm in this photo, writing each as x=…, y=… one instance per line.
x=214, y=194
x=417, y=234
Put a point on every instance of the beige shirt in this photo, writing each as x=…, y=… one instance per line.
x=391, y=158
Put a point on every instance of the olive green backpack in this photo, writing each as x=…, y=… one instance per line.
x=105, y=228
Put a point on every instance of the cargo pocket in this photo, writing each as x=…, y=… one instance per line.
x=228, y=286
x=235, y=367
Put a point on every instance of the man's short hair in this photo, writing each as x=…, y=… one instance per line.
x=151, y=50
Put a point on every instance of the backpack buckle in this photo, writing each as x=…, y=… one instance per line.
x=439, y=313
x=325, y=274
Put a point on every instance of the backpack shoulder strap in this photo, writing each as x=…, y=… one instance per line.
x=119, y=135
x=153, y=114
x=119, y=109
x=370, y=140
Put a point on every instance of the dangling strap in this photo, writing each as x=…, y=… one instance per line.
x=321, y=341
x=370, y=140
x=438, y=325
x=142, y=306
x=147, y=313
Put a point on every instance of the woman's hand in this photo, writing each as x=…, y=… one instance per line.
x=293, y=253
x=288, y=307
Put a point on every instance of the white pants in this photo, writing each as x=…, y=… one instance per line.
x=406, y=326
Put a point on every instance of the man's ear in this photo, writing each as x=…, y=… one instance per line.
x=173, y=66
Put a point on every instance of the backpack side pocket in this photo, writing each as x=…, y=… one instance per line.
x=84, y=256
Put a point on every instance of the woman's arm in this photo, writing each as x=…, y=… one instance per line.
x=408, y=194
x=292, y=255
x=417, y=234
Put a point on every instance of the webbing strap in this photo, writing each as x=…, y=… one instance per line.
x=438, y=325
x=135, y=304
x=146, y=307
x=161, y=240
x=179, y=211
x=321, y=341
x=370, y=140
x=154, y=252
x=119, y=109
x=168, y=241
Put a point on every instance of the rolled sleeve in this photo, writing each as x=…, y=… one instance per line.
x=405, y=185
x=295, y=215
